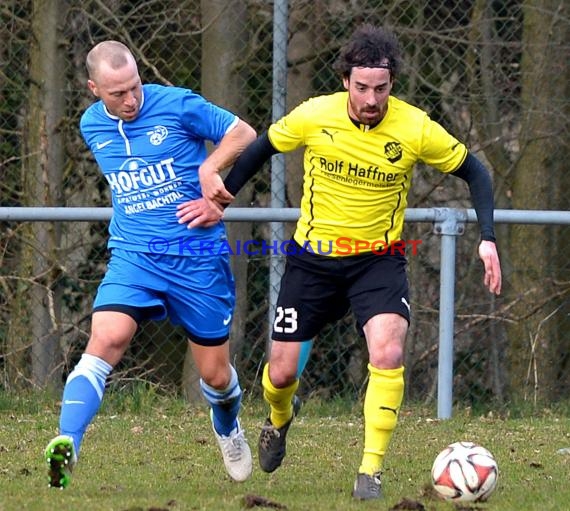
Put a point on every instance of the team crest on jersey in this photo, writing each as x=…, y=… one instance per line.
x=157, y=135
x=393, y=151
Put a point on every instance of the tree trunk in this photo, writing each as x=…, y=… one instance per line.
x=300, y=52
x=35, y=326
x=224, y=41
x=485, y=95
x=538, y=355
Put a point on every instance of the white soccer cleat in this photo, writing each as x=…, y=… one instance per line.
x=236, y=454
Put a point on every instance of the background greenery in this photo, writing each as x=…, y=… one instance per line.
x=495, y=73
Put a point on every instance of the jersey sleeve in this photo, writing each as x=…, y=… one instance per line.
x=88, y=126
x=203, y=119
x=288, y=133
x=440, y=149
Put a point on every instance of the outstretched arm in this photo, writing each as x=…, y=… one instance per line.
x=196, y=214
x=207, y=210
x=226, y=153
x=477, y=177
x=249, y=163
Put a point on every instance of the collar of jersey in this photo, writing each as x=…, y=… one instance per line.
x=364, y=127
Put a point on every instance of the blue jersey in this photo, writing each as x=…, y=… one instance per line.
x=151, y=165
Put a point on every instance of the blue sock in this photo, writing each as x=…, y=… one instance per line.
x=82, y=397
x=304, y=356
x=225, y=404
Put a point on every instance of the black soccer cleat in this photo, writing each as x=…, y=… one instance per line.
x=272, y=441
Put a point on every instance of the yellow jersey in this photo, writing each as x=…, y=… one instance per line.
x=356, y=180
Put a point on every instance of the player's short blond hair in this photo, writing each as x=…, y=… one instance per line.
x=114, y=53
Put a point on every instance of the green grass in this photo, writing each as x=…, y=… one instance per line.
x=144, y=452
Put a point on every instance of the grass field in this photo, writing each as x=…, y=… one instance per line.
x=146, y=453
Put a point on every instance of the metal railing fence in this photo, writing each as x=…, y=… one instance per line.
x=476, y=67
x=447, y=223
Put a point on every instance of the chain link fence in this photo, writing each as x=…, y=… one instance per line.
x=477, y=67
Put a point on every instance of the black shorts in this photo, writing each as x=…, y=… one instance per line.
x=317, y=290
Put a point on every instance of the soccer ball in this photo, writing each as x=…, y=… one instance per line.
x=464, y=471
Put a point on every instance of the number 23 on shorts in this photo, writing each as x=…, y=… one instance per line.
x=285, y=320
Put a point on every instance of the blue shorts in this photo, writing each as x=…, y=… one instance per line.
x=197, y=293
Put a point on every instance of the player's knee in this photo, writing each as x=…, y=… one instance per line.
x=111, y=333
x=216, y=381
x=389, y=356
x=217, y=377
x=108, y=345
x=282, y=376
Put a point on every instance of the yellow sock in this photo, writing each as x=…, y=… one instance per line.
x=279, y=399
x=381, y=406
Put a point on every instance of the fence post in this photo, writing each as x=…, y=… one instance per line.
x=276, y=259
x=449, y=223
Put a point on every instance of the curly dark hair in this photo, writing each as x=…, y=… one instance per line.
x=370, y=46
